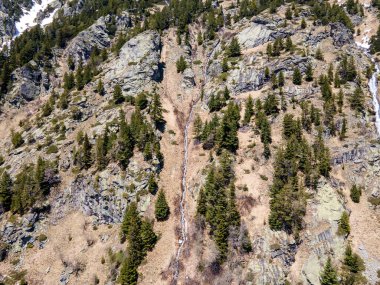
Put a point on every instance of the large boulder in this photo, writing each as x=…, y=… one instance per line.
x=82, y=45
x=138, y=64
x=27, y=84
x=258, y=33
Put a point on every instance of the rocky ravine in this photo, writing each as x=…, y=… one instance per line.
x=82, y=215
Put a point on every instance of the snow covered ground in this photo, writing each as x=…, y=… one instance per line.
x=29, y=18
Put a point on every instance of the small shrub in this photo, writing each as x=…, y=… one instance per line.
x=52, y=149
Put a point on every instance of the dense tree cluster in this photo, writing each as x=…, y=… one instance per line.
x=141, y=239
x=297, y=165
x=217, y=203
x=220, y=132
x=29, y=187
x=138, y=133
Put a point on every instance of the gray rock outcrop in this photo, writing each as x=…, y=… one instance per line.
x=81, y=46
x=138, y=64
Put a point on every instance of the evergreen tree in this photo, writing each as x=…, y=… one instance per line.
x=181, y=64
x=343, y=131
x=162, y=210
x=344, y=224
x=198, y=127
x=234, y=48
x=329, y=275
x=281, y=79
x=233, y=213
x=248, y=111
x=303, y=23
x=297, y=77
x=79, y=81
x=152, y=184
x=156, y=110
x=357, y=100
x=319, y=54
x=309, y=73
x=355, y=193
x=5, y=192
x=100, y=87
x=202, y=203
x=288, y=44
x=148, y=236
x=126, y=142
x=130, y=216
x=86, y=153
x=288, y=14
x=118, y=97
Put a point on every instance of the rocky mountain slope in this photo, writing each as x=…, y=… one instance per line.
x=188, y=143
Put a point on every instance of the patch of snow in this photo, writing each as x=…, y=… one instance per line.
x=28, y=19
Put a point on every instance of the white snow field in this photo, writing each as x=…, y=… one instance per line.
x=29, y=18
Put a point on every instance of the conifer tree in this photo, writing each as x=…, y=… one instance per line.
x=5, y=192
x=148, y=236
x=181, y=64
x=288, y=44
x=297, y=77
x=288, y=14
x=248, y=111
x=202, y=203
x=125, y=142
x=343, y=131
x=329, y=275
x=156, y=110
x=198, y=127
x=234, y=48
x=309, y=73
x=86, y=153
x=344, y=224
x=79, y=77
x=100, y=87
x=162, y=210
x=152, y=184
x=319, y=54
x=130, y=216
x=118, y=97
x=303, y=23
x=281, y=79
x=233, y=213
x=355, y=193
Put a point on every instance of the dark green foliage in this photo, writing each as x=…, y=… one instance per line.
x=102, y=145
x=303, y=23
x=355, y=193
x=216, y=103
x=5, y=192
x=344, y=228
x=309, y=73
x=357, y=100
x=162, y=210
x=216, y=203
x=319, y=54
x=152, y=184
x=288, y=14
x=32, y=185
x=16, y=139
x=130, y=217
x=327, y=13
x=347, y=69
x=86, y=157
x=226, y=137
x=234, y=48
x=148, y=236
x=141, y=101
x=329, y=275
x=156, y=110
x=198, y=127
x=248, y=111
x=181, y=64
x=353, y=266
x=297, y=76
x=281, y=79
x=100, y=87
x=118, y=97
x=126, y=142
x=288, y=44
x=375, y=42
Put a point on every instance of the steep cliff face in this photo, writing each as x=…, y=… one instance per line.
x=127, y=108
